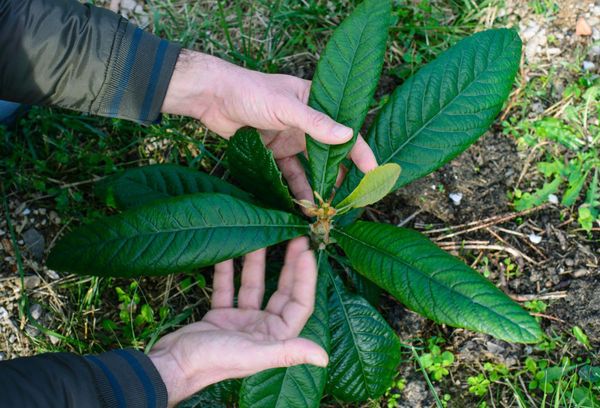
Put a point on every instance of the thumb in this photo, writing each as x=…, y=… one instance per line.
x=317, y=124
x=292, y=352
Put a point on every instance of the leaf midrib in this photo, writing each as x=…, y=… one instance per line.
x=118, y=239
x=459, y=94
x=350, y=327
x=386, y=253
x=339, y=104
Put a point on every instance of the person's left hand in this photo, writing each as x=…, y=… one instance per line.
x=225, y=97
x=235, y=342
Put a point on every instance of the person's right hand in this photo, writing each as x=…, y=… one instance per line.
x=235, y=342
x=225, y=97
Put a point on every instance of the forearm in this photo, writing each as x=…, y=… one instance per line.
x=64, y=53
x=114, y=379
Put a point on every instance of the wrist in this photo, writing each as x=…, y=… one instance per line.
x=180, y=384
x=196, y=83
x=172, y=375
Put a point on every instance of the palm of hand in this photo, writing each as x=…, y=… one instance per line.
x=235, y=342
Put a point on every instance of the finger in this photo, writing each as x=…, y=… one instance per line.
x=287, y=143
x=223, y=291
x=362, y=155
x=340, y=177
x=321, y=127
x=252, y=289
x=268, y=135
x=286, y=279
x=295, y=176
x=302, y=89
x=288, y=353
x=298, y=309
x=231, y=358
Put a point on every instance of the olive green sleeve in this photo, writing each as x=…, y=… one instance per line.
x=82, y=57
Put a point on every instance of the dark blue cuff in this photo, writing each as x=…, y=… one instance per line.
x=128, y=379
x=138, y=76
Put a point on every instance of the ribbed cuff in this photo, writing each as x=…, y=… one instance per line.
x=127, y=378
x=139, y=72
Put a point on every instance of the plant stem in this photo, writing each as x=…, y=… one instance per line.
x=429, y=384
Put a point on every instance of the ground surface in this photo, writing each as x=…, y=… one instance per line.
x=540, y=255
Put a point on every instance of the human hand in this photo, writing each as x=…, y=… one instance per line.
x=237, y=342
x=226, y=97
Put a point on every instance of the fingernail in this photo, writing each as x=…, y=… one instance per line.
x=342, y=132
x=317, y=360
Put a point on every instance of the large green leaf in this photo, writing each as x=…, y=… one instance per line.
x=173, y=235
x=254, y=167
x=358, y=283
x=299, y=386
x=142, y=185
x=344, y=83
x=445, y=107
x=375, y=185
x=434, y=283
x=365, y=351
x=219, y=395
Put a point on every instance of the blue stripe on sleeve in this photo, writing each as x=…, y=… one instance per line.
x=142, y=375
x=160, y=56
x=130, y=59
x=119, y=396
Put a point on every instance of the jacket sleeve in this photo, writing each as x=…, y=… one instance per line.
x=116, y=379
x=81, y=57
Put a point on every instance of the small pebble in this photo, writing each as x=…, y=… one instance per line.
x=456, y=198
x=53, y=340
x=32, y=282
x=582, y=27
x=3, y=313
x=530, y=31
x=26, y=211
x=553, y=199
x=588, y=65
x=52, y=274
x=36, y=311
x=536, y=239
x=32, y=330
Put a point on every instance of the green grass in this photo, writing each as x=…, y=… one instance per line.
x=564, y=141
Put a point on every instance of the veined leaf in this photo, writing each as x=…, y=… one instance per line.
x=254, y=167
x=299, y=386
x=359, y=284
x=173, y=235
x=142, y=185
x=375, y=185
x=365, y=351
x=434, y=283
x=344, y=83
x=445, y=107
x=219, y=395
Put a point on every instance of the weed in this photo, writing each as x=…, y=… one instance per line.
x=436, y=361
